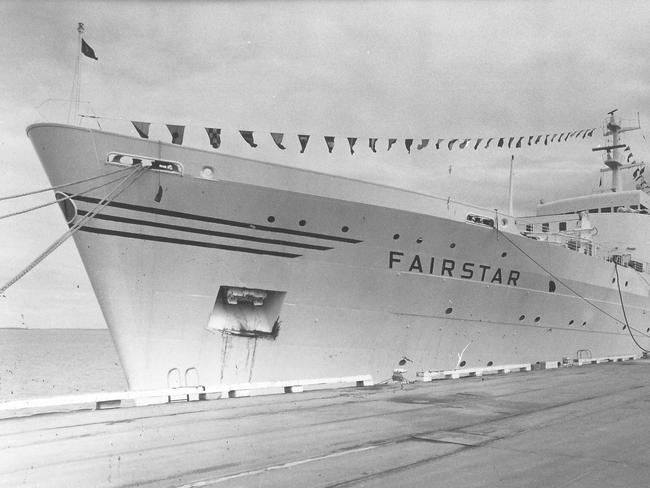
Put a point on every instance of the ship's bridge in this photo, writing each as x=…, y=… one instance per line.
x=614, y=226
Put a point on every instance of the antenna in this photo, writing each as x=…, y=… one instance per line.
x=75, y=93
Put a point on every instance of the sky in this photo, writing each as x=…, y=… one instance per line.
x=407, y=69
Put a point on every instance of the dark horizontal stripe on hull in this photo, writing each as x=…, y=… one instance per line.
x=206, y=232
x=214, y=220
x=186, y=242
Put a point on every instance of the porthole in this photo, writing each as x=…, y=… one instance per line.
x=419, y=240
x=613, y=280
x=504, y=254
x=490, y=363
x=571, y=322
x=624, y=327
x=345, y=228
x=449, y=310
x=504, y=222
x=207, y=172
x=521, y=317
x=551, y=286
x=452, y=245
x=537, y=319
x=584, y=324
x=395, y=236
x=302, y=223
x=648, y=329
x=626, y=283
x=271, y=218
x=462, y=363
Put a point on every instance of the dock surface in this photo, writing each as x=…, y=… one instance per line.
x=576, y=426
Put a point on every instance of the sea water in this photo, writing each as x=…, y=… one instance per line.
x=46, y=362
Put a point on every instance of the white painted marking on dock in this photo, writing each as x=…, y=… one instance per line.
x=198, y=484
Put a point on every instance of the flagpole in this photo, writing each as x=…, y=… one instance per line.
x=511, y=188
x=75, y=92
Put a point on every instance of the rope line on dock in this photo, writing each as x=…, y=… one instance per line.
x=34, y=192
x=605, y=312
x=620, y=295
x=114, y=193
x=61, y=199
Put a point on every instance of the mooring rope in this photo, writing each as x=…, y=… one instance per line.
x=620, y=295
x=58, y=200
x=589, y=302
x=34, y=192
x=114, y=193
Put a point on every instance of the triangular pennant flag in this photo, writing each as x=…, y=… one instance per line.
x=177, y=133
x=554, y=136
x=352, y=141
x=567, y=136
x=277, y=138
x=215, y=137
x=584, y=134
x=487, y=144
x=372, y=142
x=438, y=142
x=538, y=138
x=546, y=140
x=142, y=128
x=87, y=51
x=559, y=139
x=519, y=142
x=329, y=140
x=451, y=143
x=510, y=142
x=578, y=133
x=304, y=139
x=423, y=144
x=500, y=143
x=591, y=132
x=627, y=148
x=463, y=144
x=629, y=156
x=248, y=137
x=478, y=141
x=407, y=144
x=390, y=143
x=530, y=140
x=636, y=172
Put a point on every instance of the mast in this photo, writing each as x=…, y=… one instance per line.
x=614, y=127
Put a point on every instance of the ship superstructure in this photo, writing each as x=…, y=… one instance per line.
x=215, y=269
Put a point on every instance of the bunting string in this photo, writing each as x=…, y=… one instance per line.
x=214, y=135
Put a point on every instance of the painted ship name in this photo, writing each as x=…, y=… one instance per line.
x=466, y=270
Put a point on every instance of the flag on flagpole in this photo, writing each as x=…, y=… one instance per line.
x=510, y=142
x=423, y=144
x=407, y=144
x=451, y=143
x=390, y=143
x=438, y=142
x=487, y=144
x=277, y=138
x=142, y=128
x=463, y=144
x=215, y=137
x=88, y=51
x=371, y=144
x=519, y=141
x=478, y=141
x=500, y=143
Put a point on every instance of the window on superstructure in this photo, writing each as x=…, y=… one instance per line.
x=634, y=207
x=593, y=210
x=562, y=226
x=545, y=227
x=606, y=210
x=529, y=227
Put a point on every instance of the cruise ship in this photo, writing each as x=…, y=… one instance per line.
x=214, y=269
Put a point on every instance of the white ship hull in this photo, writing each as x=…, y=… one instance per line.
x=356, y=276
